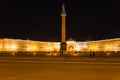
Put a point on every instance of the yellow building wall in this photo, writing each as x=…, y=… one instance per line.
x=17, y=45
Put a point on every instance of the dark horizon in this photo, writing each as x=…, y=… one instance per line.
x=41, y=21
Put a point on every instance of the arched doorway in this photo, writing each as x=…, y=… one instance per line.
x=71, y=48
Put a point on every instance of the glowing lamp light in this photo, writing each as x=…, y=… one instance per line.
x=108, y=48
x=94, y=48
x=32, y=48
x=75, y=54
x=0, y=46
x=13, y=47
x=34, y=53
x=108, y=53
x=49, y=54
x=55, y=54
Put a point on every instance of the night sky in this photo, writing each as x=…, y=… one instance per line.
x=41, y=21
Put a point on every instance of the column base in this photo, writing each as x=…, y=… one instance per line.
x=63, y=48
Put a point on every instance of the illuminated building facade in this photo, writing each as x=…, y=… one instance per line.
x=85, y=48
x=17, y=46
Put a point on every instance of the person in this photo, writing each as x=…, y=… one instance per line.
x=90, y=54
x=93, y=54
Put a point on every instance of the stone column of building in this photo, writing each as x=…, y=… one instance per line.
x=63, y=45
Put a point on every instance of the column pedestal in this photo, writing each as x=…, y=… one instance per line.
x=63, y=48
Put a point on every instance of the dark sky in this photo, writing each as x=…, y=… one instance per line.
x=41, y=21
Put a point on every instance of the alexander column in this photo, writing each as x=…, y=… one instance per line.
x=63, y=44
